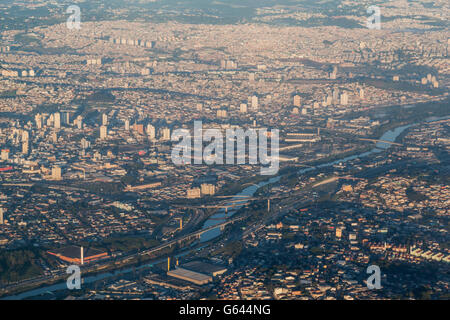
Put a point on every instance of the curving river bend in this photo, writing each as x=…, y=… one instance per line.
x=221, y=216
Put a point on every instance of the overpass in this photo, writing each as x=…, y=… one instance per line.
x=383, y=141
x=17, y=184
x=191, y=235
x=232, y=203
x=363, y=139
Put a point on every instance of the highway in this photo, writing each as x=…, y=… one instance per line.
x=86, y=269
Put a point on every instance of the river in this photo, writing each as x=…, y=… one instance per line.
x=222, y=215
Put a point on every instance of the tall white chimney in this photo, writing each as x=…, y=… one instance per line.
x=82, y=255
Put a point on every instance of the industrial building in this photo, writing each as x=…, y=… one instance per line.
x=205, y=268
x=191, y=276
x=78, y=255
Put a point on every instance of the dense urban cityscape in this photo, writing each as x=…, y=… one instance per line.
x=346, y=100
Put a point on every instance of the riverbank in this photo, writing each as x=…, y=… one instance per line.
x=390, y=135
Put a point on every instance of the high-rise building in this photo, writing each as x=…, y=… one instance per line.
x=85, y=144
x=228, y=64
x=103, y=132
x=344, y=99
x=25, y=136
x=151, y=132
x=208, y=189
x=57, y=120
x=335, y=96
x=338, y=232
x=243, y=108
x=329, y=100
x=38, y=120
x=139, y=128
x=165, y=134
x=193, y=193
x=56, y=173
x=25, y=142
x=66, y=118
x=127, y=125
x=97, y=156
x=5, y=155
x=221, y=113
x=79, y=122
x=333, y=74
x=93, y=62
x=104, y=119
x=25, y=147
x=254, y=102
x=2, y=218
x=297, y=101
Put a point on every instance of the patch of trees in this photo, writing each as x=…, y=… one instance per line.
x=415, y=196
x=16, y=265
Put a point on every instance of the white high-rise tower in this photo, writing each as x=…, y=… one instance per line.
x=103, y=132
x=57, y=120
x=151, y=132
x=254, y=102
x=104, y=119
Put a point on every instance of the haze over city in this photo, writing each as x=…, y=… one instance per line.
x=224, y=150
